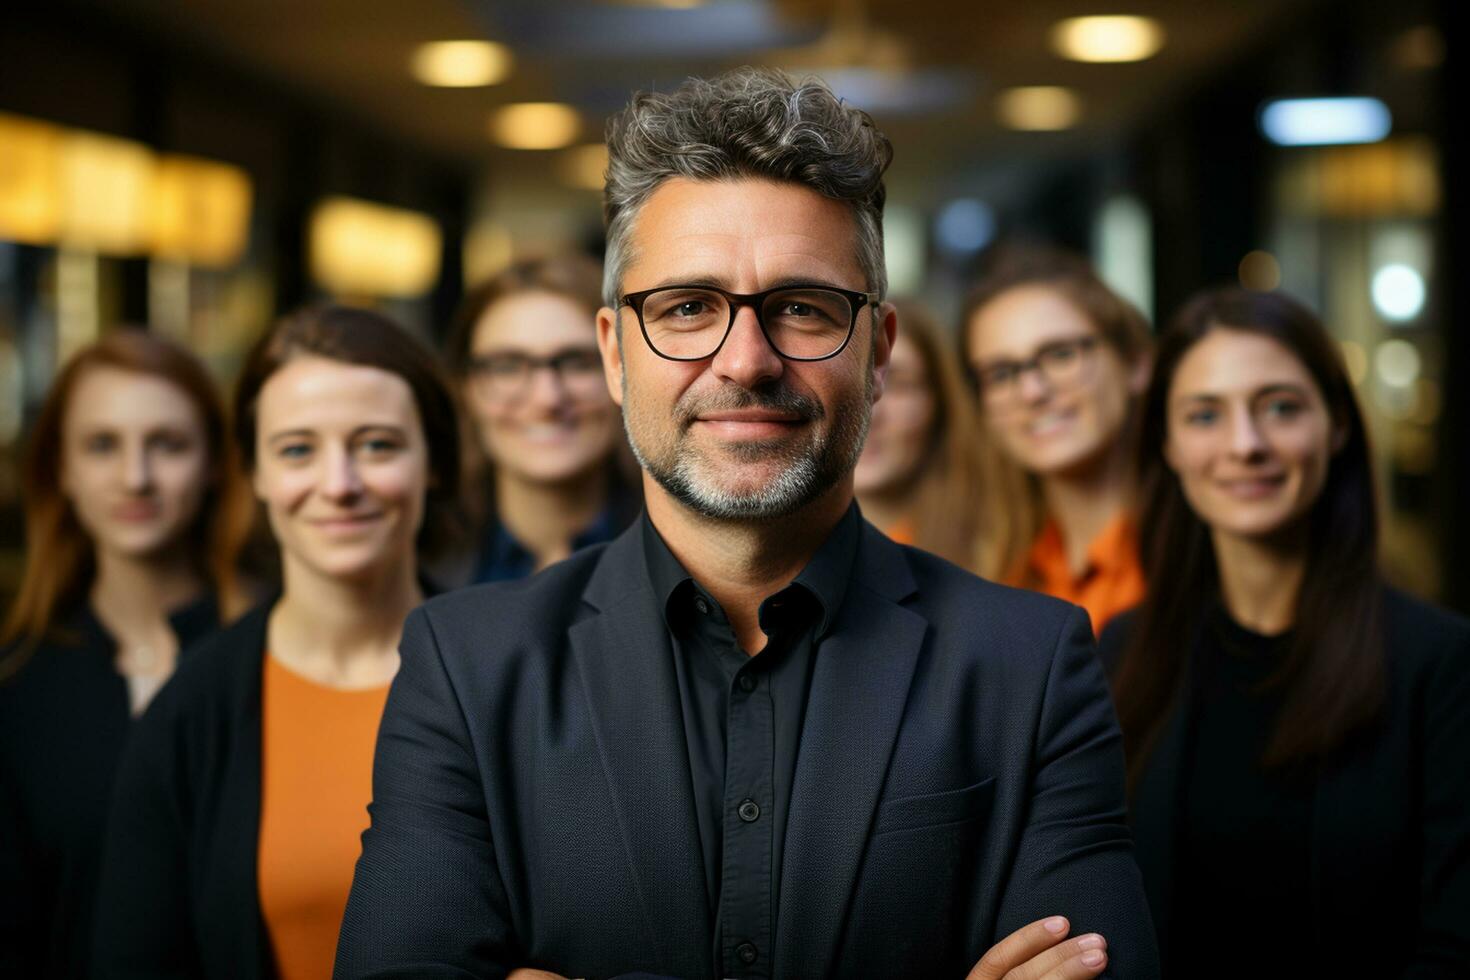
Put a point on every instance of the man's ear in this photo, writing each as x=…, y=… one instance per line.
x=610, y=344
x=885, y=332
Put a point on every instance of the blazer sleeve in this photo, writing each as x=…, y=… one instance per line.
x=1442, y=948
x=143, y=916
x=427, y=899
x=1076, y=854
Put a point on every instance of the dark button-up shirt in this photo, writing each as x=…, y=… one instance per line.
x=742, y=722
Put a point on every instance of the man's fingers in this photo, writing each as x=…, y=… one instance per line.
x=1076, y=959
x=1019, y=947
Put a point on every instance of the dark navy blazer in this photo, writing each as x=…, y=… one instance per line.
x=960, y=775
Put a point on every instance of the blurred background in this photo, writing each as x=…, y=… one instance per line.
x=202, y=166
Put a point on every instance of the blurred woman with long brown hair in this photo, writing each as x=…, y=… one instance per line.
x=918, y=478
x=1059, y=361
x=132, y=508
x=1296, y=731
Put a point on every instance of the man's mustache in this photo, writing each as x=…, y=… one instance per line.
x=774, y=397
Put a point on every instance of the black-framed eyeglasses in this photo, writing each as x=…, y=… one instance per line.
x=505, y=375
x=801, y=322
x=1061, y=363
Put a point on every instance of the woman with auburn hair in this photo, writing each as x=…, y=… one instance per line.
x=551, y=453
x=133, y=511
x=918, y=477
x=1296, y=731
x=1059, y=361
x=243, y=793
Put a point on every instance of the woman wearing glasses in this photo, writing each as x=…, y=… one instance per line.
x=523, y=348
x=1060, y=362
x=1296, y=732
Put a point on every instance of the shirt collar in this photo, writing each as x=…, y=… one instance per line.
x=825, y=577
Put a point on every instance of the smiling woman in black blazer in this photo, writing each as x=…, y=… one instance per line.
x=1297, y=733
x=242, y=795
x=129, y=491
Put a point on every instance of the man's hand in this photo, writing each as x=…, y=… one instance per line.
x=1041, y=951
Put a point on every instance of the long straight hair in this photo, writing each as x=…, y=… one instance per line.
x=1332, y=678
x=1014, y=512
x=60, y=563
x=944, y=499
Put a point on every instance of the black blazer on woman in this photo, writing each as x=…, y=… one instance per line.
x=1390, y=813
x=178, y=896
x=63, y=721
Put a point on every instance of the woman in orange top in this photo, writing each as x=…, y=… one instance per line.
x=1060, y=362
x=243, y=793
x=918, y=477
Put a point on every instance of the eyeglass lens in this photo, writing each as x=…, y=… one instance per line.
x=690, y=323
x=1060, y=364
x=506, y=375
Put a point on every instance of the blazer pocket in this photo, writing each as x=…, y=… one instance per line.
x=935, y=809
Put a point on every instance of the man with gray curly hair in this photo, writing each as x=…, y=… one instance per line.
x=752, y=737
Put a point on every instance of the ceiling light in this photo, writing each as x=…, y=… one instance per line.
x=1039, y=107
x=535, y=126
x=461, y=64
x=1107, y=39
x=965, y=226
x=1259, y=271
x=1397, y=363
x=1321, y=122
x=1398, y=292
x=359, y=248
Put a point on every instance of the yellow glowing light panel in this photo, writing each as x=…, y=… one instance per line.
x=200, y=213
x=93, y=193
x=364, y=249
x=30, y=180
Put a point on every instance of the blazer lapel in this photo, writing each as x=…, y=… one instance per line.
x=860, y=684
x=626, y=665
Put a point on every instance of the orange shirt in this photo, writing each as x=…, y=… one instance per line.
x=1112, y=581
x=903, y=531
x=316, y=780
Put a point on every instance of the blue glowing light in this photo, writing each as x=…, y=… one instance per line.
x=1323, y=122
x=965, y=226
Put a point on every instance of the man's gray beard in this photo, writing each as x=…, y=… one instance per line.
x=811, y=470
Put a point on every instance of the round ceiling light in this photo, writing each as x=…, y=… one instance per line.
x=535, y=126
x=461, y=64
x=1039, y=108
x=1107, y=39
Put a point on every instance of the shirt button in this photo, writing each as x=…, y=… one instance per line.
x=701, y=605
x=747, y=682
x=747, y=953
x=749, y=811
